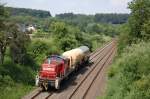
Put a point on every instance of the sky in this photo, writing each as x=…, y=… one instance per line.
x=75, y=6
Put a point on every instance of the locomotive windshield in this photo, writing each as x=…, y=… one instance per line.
x=51, y=59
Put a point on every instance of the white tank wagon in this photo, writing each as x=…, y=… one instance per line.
x=77, y=56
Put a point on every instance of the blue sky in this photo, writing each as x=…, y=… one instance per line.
x=75, y=6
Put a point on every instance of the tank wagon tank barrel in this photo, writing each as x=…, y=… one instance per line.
x=77, y=56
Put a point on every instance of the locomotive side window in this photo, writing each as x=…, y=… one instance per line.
x=52, y=59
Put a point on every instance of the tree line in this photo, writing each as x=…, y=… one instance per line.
x=112, y=18
x=28, y=12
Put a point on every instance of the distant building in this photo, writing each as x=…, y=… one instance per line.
x=30, y=29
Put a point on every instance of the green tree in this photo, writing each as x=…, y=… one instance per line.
x=140, y=15
x=29, y=12
x=59, y=29
x=18, y=43
x=3, y=35
x=68, y=43
x=146, y=30
x=64, y=35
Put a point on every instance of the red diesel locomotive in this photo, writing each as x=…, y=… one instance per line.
x=55, y=68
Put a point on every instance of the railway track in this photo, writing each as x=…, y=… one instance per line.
x=100, y=79
x=99, y=50
x=81, y=91
x=96, y=57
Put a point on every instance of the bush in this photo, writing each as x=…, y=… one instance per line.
x=129, y=76
x=15, y=80
x=39, y=49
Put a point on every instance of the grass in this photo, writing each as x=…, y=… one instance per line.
x=15, y=92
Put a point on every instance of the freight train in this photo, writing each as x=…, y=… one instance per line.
x=55, y=68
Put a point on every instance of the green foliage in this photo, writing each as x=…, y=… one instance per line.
x=3, y=16
x=138, y=24
x=17, y=73
x=64, y=35
x=39, y=49
x=111, y=18
x=60, y=29
x=76, y=19
x=23, y=19
x=102, y=29
x=3, y=34
x=124, y=37
x=68, y=36
x=15, y=78
x=129, y=76
x=28, y=12
x=139, y=20
x=15, y=92
x=98, y=18
x=146, y=30
x=97, y=41
x=67, y=43
x=18, y=42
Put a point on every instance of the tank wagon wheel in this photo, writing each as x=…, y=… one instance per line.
x=86, y=60
x=57, y=83
x=66, y=78
x=77, y=66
